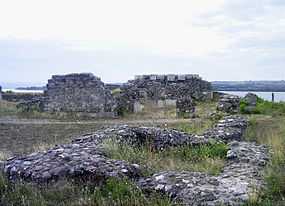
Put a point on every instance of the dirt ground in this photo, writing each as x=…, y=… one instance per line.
x=25, y=136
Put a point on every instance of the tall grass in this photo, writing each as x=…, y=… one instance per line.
x=113, y=192
x=271, y=131
x=206, y=158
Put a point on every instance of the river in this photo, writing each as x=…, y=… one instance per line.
x=279, y=96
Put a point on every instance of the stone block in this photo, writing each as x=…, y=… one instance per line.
x=171, y=77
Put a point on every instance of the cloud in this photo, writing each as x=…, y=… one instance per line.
x=160, y=26
x=220, y=40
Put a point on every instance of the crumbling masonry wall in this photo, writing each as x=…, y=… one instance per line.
x=79, y=93
x=0, y=93
x=170, y=86
x=158, y=88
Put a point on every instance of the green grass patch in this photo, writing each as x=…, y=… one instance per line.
x=206, y=158
x=264, y=107
x=192, y=127
x=64, y=193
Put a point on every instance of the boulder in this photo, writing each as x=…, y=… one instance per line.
x=250, y=99
x=229, y=104
x=185, y=107
x=250, y=102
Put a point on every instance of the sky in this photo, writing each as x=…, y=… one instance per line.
x=115, y=40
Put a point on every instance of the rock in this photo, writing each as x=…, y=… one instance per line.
x=233, y=186
x=228, y=129
x=79, y=93
x=161, y=88
x=85, y=161
x=0, y=93
x=185, y=107
x=250, y=99
x=229, y=104
x=159, y=138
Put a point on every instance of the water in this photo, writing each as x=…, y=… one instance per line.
x=23, y=91
x=279, y=96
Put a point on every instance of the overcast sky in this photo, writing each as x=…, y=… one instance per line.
x=116, y=39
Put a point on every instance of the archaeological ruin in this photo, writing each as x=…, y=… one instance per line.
x=162, y=90
x=85, y=158
x=0, y=93
x=79, y=93
x=86, y=93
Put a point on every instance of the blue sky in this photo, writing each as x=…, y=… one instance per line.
x=115, y=40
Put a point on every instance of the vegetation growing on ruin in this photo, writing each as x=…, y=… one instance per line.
x=264, y=129
x=206, y=158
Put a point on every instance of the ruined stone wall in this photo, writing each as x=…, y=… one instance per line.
x=156, y=87
x=0, y=93
x=79, y=93
x=162, y=88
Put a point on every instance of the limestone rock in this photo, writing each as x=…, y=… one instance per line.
x=185, y=107
x=229, y=104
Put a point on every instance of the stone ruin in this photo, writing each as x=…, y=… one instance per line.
x=163, y=90
x=229, y=103
x=0, y=93
x=84, y=158
x=79, y=93
x=86, y=93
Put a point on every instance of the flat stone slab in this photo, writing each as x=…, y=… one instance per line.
x=158, y=138
x=228, y=129
x=83, y=161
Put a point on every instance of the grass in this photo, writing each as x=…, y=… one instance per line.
x=64, y=193
x=206, y=158
x=270, y=131
x=264, y=107
x=8, y=108
x=193, y=127
x=17, y=139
